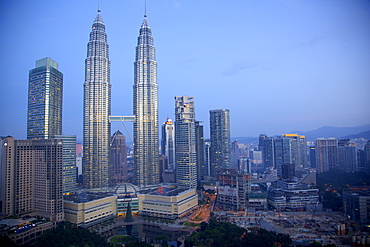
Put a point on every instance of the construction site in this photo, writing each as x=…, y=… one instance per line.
x=305, y=228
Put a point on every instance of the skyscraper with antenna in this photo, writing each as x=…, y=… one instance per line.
x=145, y=104
x=97, y=108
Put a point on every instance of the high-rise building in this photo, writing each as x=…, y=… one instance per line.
x=97, y=108
x=207, y=158
x=312, y=154
x=45, y=96
x=199, y=144
x=361, y=165
x=219, y=122
x=69, y=163
x=326, y=152
x=145, y=110
x=347, y=155
x=32, y=177
x=79, y=173
x=298, y=149
x=283, y=153
x=168, y=142
x=367, y=156
x=235, y=154
x=185, y=142
x=266, y=146
x=287, y=171
x=118, y=158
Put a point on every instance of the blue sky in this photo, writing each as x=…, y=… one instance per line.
x=278, y=65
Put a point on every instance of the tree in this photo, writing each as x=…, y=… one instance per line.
x=68, y=235
x=332, y=200
x=129, y=214
x=163, y=239
x=7, y=242
x=225, y=234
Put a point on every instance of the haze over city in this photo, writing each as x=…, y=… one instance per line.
x=277, y=65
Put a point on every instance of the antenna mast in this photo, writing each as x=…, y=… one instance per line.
x=145, y=10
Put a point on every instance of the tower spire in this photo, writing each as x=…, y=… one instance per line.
x=145, y=10
x=99, y=6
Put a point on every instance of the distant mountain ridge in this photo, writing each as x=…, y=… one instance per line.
x=362, y=131
x=336, y=132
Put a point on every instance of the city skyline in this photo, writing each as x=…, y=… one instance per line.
x=290, y=66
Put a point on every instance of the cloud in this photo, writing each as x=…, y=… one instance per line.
x=322, y=38
x=176, y=4
x=239, y=66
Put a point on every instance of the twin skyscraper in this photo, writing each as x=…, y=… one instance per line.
x=97, y=109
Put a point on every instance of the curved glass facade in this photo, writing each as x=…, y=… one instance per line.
x=145, y=110
x=97, y=108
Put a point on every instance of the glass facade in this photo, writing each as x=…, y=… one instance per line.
x=168, y=142
x=97, y=109
x=145, y=103
x=185, y=142
x=45, y=96
x=219, y=121
x=69, y=163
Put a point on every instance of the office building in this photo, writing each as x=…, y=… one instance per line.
x=118, y=158
x=207, y=158
x=146, y=148
x=185, y=142
x=168, y=142
x=287, y=171
x=367, y=156
x=361, y=165
x=326, y=153
x=266, y=146
x=235, y=154
x=283, y=154
x=45, y=97
x=32, y=177
x=199, y=145
x=347, y=155
x=312, y=155
x=69, y=163
x=79, y=167
x=97, y=108
x=298, y=150
x=356, y=206
x=219, y=123
x=233, y=189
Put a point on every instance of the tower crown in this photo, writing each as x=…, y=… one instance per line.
x=98, y=23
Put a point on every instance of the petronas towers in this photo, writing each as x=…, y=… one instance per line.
x=145, y=110
x=97, y=109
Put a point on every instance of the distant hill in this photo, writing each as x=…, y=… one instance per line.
x=337, y=132
x=362, y=131
x=365, y=135
x=245, y=139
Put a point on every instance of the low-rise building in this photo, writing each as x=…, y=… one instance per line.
x=291, y=196
x=24, y=231
x=165, y=202
x=127, y=194
x=357, y=205
x=87, y=209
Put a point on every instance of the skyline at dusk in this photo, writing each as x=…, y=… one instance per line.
x=278, y=66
